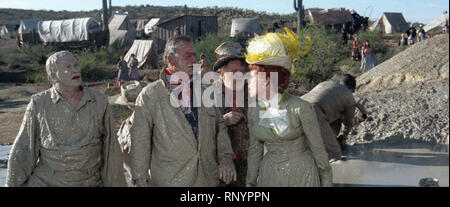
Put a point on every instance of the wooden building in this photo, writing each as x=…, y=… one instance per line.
x=192, y=26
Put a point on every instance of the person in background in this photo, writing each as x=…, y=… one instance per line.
x=368, y=59
x=421, y=33
x=128, y=94
x=412, y=34
x=133, y=65
x=122, y=72
x=403, y=40
x=335, y=106
x=344, y=34
x=355, y=48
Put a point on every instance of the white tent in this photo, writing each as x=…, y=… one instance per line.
x=4, y=33
x=391, y=23
x=150, y=27
x=144, y=51
x=437, y=23
x=121, y=31
x=68, y=30
x=27, y=26
x=245, y=26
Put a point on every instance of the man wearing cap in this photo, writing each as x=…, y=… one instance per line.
x=65, y=139
x=230, y=63
x=179, y=145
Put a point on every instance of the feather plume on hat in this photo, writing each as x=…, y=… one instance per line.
x=277, y=49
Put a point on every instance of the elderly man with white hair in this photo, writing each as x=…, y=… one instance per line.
x=65, y=139
x=181, y=145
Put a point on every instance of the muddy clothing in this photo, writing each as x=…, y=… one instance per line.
x=296, y=158
x=59, y=145
x=163, y=142
x=335, y=105
x=239, y=136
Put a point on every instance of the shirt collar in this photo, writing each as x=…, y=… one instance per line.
x=56, y=96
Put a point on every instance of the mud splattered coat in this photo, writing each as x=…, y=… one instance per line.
x=163, y=142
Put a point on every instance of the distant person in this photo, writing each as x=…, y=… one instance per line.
x=18, y=42
x=445, y=29
x=368, y=59
x=355, y=49
x=380, y=28
x=344, y=33
x=122, y=75
x=362, y=28
x=335, y=105
x=133, y=65
x=421, y=33
x=177, y=32
x=403, y=40
x=412, y=34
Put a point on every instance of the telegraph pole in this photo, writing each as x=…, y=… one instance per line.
x=105, y=21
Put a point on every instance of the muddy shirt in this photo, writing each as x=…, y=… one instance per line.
x=335, y=101
x=62, y=145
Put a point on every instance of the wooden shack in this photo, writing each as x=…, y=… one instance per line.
x=192, y=26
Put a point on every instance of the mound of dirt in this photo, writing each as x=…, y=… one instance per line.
x=407, y=97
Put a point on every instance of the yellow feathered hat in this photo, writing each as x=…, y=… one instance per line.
x=276, y=49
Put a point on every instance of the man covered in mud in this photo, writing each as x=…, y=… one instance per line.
x=234, y=110
x=335, y=105
x=65, y=139
x=178, y=144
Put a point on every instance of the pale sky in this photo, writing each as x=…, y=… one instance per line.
x=423, y=11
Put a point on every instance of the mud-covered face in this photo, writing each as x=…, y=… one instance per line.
x=185, y=60
x=68, y=72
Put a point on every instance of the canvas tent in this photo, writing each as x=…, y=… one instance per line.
x=390, y=23
x=150, y=27
x=4, y=33
x=328, y=17
x=437, y=23
x=140, y=26
x=68, y=30
x=245, y=26
x=28, y=31
x=121, y=31
x=145, y=53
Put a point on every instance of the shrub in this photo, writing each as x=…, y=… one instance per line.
x=92, y=68
x=320, y=63
x=207, y=45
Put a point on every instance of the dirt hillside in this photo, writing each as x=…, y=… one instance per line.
x=407, y=97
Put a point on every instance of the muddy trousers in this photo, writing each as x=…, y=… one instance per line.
x=329, y=133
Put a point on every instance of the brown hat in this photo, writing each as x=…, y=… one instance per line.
x=225, y=60
x=129, y=93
